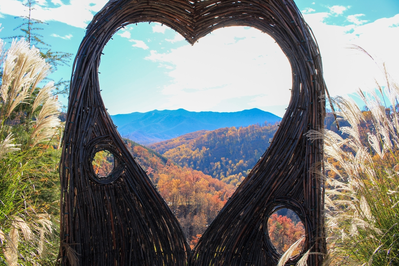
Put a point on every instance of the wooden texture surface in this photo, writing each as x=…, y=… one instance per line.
x=122, y=219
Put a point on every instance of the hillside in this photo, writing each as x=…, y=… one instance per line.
x=227, y=154
x=195, y=198
x=156, y=126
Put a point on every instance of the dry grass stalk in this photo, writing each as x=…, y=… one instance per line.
x=288, y=254
x=47, y=122
x=13, y=239
x=361, y=194
x=23, y=69
x=2, y=237
x=2, y=51
x=304, y=259
x=44, y=226
x=72, y=255
x=7, y=145
x=43, y=95
x=11, y=250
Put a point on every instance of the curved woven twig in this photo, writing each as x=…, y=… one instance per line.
x=123, y=220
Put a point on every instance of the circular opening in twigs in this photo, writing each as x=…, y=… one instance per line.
x=103, y=164
x=285, y=230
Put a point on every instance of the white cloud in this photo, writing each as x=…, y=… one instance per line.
x=12, y=7
x=57, y=2
x=66, y=37
x=355, y=19
x=345, y=69
x=78, y=13
x=338, y=10
x=41, y=2
x=176, y=38
x=158, y=28
x=238, y=64
x=229, y=65
x=136, y=43
x=139, y=44
x=125, y=34
x=308, y=10
x=244, y=64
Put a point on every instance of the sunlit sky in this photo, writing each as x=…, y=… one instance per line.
x=149, y=66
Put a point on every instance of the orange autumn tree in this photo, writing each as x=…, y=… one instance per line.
x=194, y=240
x=194, y=197
x=284, y=232
x=103, y=163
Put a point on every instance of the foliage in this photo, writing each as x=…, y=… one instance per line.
x=29, y=134
x=363, y=181
x=103, y=163
x=29, y=27
x=227, y=154
x=194, y=198
x=284, y=232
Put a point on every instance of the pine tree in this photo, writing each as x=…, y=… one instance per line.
x=29, y=29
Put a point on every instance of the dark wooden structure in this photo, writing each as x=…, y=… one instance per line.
x=121, y=219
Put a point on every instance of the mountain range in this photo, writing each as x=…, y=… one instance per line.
x=156, y=126
x=227, y=154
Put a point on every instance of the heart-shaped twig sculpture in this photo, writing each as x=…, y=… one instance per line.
x=121, y=219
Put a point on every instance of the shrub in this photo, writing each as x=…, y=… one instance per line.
x=362, y=196
x=29, y=128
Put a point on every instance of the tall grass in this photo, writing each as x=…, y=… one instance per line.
x=362, y=177
x=362, y=160
x=29, y=126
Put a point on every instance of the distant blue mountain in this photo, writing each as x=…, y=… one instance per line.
x=155, y=126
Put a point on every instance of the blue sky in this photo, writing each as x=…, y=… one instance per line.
x=149, y=66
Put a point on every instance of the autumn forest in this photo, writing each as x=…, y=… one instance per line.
x=198, y=172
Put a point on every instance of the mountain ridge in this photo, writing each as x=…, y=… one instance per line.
x=155, y=126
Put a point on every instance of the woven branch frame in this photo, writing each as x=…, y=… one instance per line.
x=124, y=220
